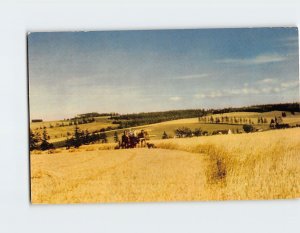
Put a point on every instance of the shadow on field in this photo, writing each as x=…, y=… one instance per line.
x=216, y=170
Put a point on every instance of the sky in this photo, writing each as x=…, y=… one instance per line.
x=154, y=70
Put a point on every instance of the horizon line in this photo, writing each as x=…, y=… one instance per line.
x=183, y=109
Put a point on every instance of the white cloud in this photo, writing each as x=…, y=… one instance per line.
x=228, y=93
x=267, y=80
x=175, y=98
x=272, y=87
x=289, y=41
x=267, y=59
x=290, y=84
x=192, y=76
x=258, y=60
x=200, y=96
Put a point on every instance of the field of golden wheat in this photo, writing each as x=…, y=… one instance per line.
x=263, y=165
x=59, y=133
x=156, y=130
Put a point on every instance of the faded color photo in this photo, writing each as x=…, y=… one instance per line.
x=164, y=115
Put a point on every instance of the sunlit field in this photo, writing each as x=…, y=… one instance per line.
x=167, y=115
x=156, y=130
x=59, y=134
x=262, y=165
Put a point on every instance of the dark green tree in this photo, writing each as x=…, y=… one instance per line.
x=33, y=140
x=77, y=137
x=103, y=137
x=86, y=137
x=45, y=145
x=69, y=142
x=165, y=135
x=183, y=132
x=197, y=132
x=248, y=128
x=116, y=137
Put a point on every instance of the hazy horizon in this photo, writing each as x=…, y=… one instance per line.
x=158, y=70
x=166, y=110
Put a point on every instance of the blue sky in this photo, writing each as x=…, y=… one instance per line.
x=136, y=71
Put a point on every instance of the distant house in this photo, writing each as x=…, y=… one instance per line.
x=36, y=120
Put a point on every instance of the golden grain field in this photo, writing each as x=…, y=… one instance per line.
x=263, y=165
x=60, y=133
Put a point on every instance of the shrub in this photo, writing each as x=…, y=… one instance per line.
x=205, y=133
x=248, y=128
x=45, y=145
x=33, y=140
x=197, y=132
x=183, y=132
x=282, y=126
x=116, y=137
x=165, y=135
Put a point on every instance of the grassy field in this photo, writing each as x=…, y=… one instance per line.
x=263, y=165
x=60, y=133
x=156, y=130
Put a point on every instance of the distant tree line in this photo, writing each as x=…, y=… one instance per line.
x=184, y=132
x=81, y=137
x=95, y=114
x=82, y=120
x=90, y=114
x=288, y=107
x=277, y=123
x=137, y=119
x=230, y=120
